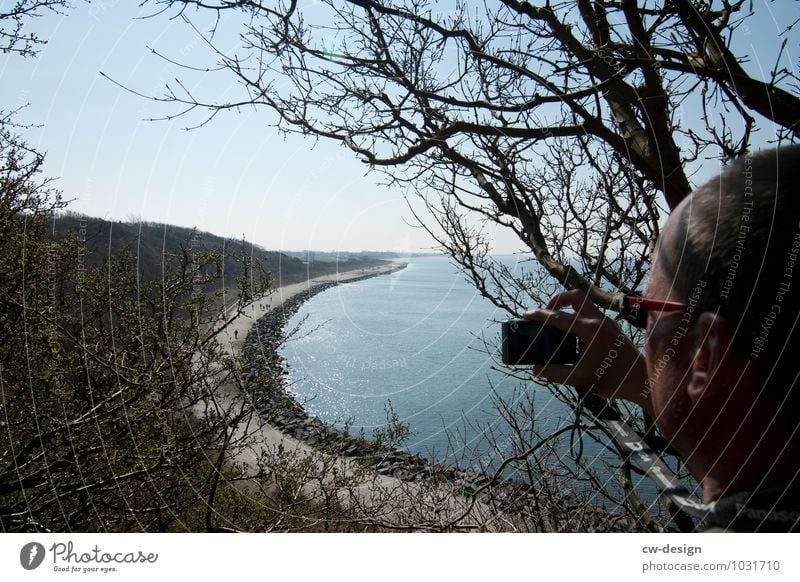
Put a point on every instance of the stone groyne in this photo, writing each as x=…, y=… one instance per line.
x=280, y=409
x=259, y=354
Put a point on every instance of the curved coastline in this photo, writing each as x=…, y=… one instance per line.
x=279, y=409
x=259, y=352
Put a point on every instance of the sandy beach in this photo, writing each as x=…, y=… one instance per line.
x=385, y=499
x=390, y=500
x=233, y=337
x=260, y=435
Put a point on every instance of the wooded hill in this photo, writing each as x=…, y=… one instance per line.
x=157, y=246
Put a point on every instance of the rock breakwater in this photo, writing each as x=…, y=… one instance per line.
x=260, y=353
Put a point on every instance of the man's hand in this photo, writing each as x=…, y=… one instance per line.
x=609, y=364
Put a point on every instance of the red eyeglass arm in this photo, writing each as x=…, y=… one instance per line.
x=653, y=304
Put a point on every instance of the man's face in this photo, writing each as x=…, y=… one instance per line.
x=668, y=343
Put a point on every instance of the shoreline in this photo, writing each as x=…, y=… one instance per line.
x=282, y=410
x=237, y=330
x=259, y=353
x=280, y=422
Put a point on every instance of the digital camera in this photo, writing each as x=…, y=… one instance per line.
x=525, y=343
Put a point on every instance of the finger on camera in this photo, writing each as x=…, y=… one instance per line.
x=576, y=299
x=562, y=320
x=565, y=298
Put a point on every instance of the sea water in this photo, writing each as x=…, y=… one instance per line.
x=422, y=340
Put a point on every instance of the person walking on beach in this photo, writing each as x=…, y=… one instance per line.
x=720, y=373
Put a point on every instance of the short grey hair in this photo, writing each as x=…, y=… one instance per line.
x=738, y=243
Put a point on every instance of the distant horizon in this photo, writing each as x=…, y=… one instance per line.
x=68, y=212
x=238, y=174
x=421, y=251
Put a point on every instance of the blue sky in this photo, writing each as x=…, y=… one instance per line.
x=234, y=177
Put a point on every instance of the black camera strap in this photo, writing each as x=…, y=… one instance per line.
x=645, y=459
x=769, y=509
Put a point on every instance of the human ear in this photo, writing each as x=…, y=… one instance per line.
x=710, y=371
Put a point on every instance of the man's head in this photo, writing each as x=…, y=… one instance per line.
x=731, y=249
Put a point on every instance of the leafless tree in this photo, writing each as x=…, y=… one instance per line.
x=15, y=22
x=120, y=411
x=575, y=124
x=572, y=123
